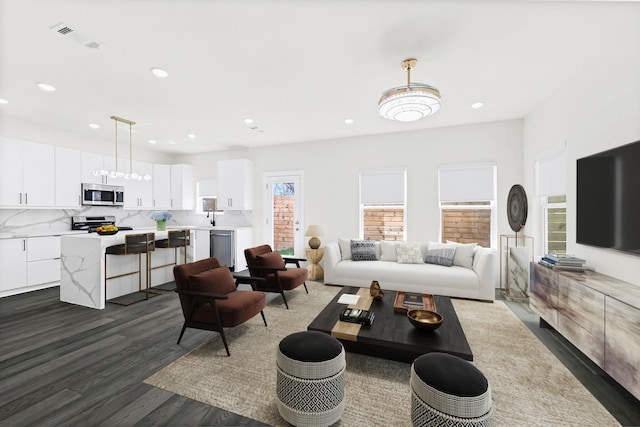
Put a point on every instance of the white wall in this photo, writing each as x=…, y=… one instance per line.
x=597, y=110
x=331, y=171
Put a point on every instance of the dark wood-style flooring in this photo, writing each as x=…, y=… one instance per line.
x=65, y=365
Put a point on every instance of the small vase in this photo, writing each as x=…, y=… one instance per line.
x=375, y=291
x=161, y=225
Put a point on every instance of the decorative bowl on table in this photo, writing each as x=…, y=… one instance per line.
x=425, y=319
x=107, y=231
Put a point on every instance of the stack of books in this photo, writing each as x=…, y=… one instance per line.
x=413, y=300
x=562, y=261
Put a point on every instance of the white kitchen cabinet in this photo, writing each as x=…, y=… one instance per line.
x=161, y=184
x=182, y=187
x=43, y=260
x=43, y=247
x=13, y=264
x=93, y=163
x=10, y=172
x=68, y=177
x=201, y=245
x=29, y=263
x=37, y=170
x=243, y=240
x=26, y=173
x=235, y=184
x=138, y=194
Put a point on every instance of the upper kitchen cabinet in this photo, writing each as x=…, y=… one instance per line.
x=68, y=178
x=161, y=184
x=235, y=184
x=26, y=172
x=138, y=194
x=92, y=166
x=182, y=187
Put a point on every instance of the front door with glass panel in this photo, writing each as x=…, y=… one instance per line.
x=283, y=208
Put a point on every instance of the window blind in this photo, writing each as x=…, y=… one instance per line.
x=467, y=182
x=552, y=172
x=383, y=187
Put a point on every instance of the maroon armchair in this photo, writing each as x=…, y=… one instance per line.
x=210, y=299
x=271, y=266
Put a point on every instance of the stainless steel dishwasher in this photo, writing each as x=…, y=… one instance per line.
x=221, y=246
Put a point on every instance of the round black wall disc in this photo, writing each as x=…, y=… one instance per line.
x=517, y=208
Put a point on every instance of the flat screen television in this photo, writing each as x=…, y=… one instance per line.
x=608, y=199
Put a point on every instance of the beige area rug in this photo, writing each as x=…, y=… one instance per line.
x=530, y=387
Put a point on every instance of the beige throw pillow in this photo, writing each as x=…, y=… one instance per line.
x=464, y=253
x=388, y=251
x=345, y=248
x=409, y=253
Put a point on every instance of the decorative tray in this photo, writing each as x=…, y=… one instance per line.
x=107, y=233
x=427, y=301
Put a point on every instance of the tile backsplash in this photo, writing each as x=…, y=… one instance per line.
x=25, y=221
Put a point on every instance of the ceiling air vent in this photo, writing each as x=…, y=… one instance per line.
x=71, y=34
x=65, y=30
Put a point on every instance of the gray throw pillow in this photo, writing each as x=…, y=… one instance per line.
x=441, y=256
x=363, y=250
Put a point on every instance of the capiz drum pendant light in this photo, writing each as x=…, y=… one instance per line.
x=411, y=102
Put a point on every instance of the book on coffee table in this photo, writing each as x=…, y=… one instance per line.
x=405, y=301
x=349, y=299
x=356, y=315
x=413, y=299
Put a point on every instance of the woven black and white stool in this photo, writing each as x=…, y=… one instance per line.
x=448, y=391
x=310, y=383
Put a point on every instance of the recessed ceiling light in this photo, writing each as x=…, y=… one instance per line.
x=3, y=101
x=248, y=121
x=191, y=135
x=159, y=72
x=477, y=105
x=348, y=121
x=172, y=142
x=46, y=87
x=94, y=126
x=152, y=141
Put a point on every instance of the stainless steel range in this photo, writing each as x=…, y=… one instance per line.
x=90, y=223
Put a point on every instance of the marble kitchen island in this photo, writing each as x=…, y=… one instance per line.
x=82, y=267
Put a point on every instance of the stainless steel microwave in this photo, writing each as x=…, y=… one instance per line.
x=102, y=195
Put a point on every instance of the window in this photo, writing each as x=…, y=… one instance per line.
x=284, y=199
x=467, y=203
x=554, y=212
x=206, y=196
x=383, y=204
x=552, y=186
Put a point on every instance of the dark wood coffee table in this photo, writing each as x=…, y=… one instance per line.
x=392, y=336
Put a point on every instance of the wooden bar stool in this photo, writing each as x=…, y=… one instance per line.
x=176, y=239
x=134, y=244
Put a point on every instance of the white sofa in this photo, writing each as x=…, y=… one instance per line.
x=477, y=282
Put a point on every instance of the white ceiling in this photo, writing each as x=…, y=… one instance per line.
x=297, y=67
